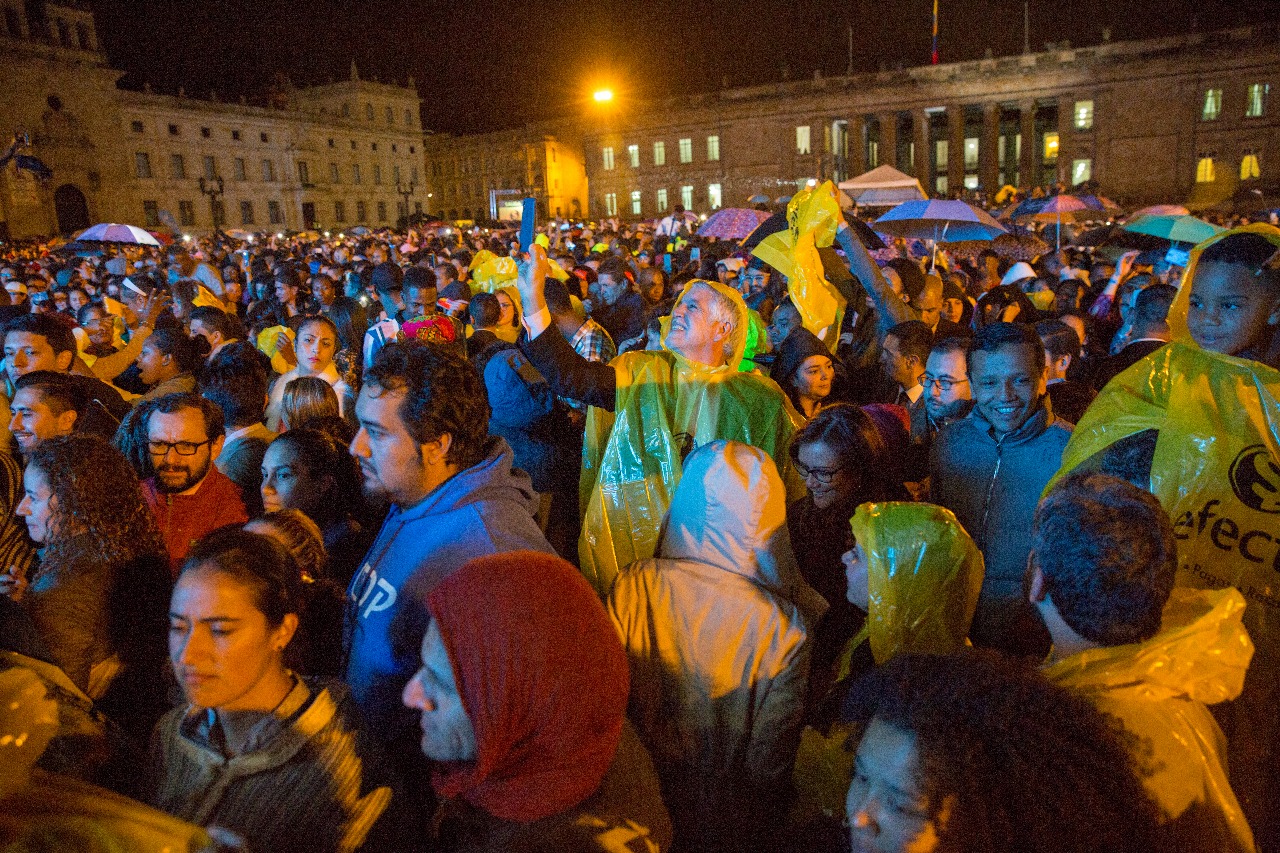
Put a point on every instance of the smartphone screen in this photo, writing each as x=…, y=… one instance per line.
x=666, y=263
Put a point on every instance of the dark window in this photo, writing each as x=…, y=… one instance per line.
x=246, y=213
x=186, y=213
x=151, y=213
x=136, y=126
x=275, y=213
x=82, y=36
x=235, y=134
x=205, y=132
x=330, y=143
x=12, y=22
x=173, y=130
x=374, y=146
x=263, y=137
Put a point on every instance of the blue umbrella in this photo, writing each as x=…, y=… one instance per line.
x=939, y=220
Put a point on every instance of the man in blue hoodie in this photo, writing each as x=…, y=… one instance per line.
x=424, y=446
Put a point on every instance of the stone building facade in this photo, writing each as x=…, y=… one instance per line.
x=1167, y=119
x=484, y=176
x=331, y=156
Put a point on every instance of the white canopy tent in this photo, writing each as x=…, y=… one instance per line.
x=883, y=186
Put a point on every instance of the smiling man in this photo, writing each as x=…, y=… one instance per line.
x=989, y=469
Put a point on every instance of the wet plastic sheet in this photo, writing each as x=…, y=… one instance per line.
x=812, y=216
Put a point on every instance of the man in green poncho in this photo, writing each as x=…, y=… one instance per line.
x=650, y=409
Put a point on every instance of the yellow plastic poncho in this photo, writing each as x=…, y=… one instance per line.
x=924, y=574
x=666, y=405
x=1216, y=471
x=813, y=215
x=1178, y=310
x=1159, y=689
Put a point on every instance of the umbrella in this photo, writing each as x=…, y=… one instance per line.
x=1117, y=236
x=1162, y=210
x=1099, y=202
x=759, y=199
x=1019, y=247
x=110, y=232
x=238, y=234
x=939, y=220
x=970, y=249
x=1050, y=208
x=1179, y=229
x=732, y=223
x=360, y=231
x=778, y=222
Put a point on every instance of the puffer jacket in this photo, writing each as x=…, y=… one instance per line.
x=716, y=630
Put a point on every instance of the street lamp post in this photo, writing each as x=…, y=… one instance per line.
x=213, y=189
x=405, y=193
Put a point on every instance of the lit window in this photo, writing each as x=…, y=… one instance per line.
x=1249, y=168
x=686, y=197
x=1256, y=103
x=971, y=182
x=606, y=158
x=611, y=204
x=686, y=150
x=1205, y=172
x=802, y=139
x=1212, y=105
x=713, y=148
x=873, y=153
x=970, y=153
x=940, y=185
x=659, y=153
x=1051, y=146
x=662, y=200
x=1081, y=171
x=713, y=196
x=635, y=202
x=633, y=156
x=941, y=151
x=1084, y=115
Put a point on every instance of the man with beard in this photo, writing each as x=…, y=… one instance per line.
x=424, y=447
x=187, y=494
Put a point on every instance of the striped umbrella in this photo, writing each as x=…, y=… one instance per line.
x=939, y=220
x=110, y=232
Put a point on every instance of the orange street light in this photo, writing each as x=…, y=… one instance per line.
x=603, y=96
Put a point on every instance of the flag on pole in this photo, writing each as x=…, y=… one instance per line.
x=935, y=32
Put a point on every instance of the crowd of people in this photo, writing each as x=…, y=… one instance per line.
x=432, y=541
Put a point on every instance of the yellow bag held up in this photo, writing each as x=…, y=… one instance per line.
x=813, y=215
x=490, y=273
x=266, y=342
x=665, y=407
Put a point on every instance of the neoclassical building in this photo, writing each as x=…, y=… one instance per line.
x=332, y=156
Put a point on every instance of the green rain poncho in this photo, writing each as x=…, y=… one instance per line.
x=666, y=406
x=924, y=573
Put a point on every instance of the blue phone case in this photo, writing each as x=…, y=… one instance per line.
x=527, y=217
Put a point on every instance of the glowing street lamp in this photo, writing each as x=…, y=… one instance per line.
x=603, y=96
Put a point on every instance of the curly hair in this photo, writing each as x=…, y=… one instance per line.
x=443, y=393
x=1017, y=763
x=300, y=536
x=1108, y=556
x=98, y=499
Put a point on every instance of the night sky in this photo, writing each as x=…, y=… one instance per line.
x=486, y=66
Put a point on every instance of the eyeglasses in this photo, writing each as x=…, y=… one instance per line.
x=822, y=475
x=182, y=448
x=944, y=385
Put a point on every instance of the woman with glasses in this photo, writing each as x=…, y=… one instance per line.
x=844, y=461
x=98, y=593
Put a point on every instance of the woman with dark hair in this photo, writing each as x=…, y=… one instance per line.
x=98, y=594
x=258, y=751
x=1005, y=304
x=169, y=361
x=954, y=755
x=316, y=346
x=844, y=461
x=352, y=322
x=804, y=371
x=307, y=470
